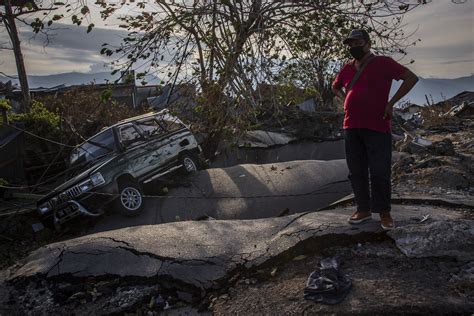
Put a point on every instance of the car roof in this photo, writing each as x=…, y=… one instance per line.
x=131, y=119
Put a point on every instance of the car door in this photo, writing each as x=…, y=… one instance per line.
x=135, y=156
x=176, y=140
x=156, y=139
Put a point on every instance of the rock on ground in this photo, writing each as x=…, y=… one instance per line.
x=437, y=239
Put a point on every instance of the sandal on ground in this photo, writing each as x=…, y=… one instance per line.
x=360, y=217
x=386, y=221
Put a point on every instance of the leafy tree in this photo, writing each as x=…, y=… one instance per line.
x=317, y=52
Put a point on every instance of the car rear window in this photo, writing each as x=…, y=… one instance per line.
x=171, y=124
x=150, y=127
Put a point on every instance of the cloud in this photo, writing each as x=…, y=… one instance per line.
x=70, y=48
x=75, y=38
x=446, y=49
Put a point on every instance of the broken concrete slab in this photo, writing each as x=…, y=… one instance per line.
x=438, y=239
x=300, y=150
x=198, y=256
x=452, y=200
x=264, y=139
x=244, y=192
x=258, y=191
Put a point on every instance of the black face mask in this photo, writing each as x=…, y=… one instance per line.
x=357, y=52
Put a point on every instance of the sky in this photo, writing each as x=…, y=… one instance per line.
x=446, y=49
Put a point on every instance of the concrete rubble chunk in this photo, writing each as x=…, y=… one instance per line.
x=264, y=139
x=454, y=238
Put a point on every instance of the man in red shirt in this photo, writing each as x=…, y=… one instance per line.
x=367, y=124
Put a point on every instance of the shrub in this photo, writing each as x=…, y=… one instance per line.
x=86, y=111
x=5, y=105
x=39, y=121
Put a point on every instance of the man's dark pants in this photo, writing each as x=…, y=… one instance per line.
x=369, y=152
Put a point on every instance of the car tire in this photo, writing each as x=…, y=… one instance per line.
x=189, y=162
x=130, y=201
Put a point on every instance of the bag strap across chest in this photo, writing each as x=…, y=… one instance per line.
x=359, y=72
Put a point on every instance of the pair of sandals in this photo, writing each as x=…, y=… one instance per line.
x=386, y=221
x=327, y=284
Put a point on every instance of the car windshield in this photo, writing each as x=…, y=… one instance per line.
x=94, y=148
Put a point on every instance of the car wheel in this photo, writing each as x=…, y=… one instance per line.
x=190, y=163
x=130, y=201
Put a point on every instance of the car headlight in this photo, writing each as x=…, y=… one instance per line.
x=86, y=186
x=97, y=179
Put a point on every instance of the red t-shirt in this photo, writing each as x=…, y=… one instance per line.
x=364, y=105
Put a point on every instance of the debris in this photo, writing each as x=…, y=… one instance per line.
x=327, y=284
x=442, y=148
x=453, y=238
x=160, y=302
x=224, y=297
x=421, y=141
x=458, y=110
x=463, y=280
x=299, y=258
x=273, y=272
x=37, y=227
x=424, y=218
x=263, y=139
x=412, y=144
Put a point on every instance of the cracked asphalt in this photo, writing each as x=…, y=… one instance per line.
x=244, y=192
x=200, y=255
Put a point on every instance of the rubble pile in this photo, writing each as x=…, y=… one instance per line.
x=318, y=126
x=112, y=296
x=437, y=158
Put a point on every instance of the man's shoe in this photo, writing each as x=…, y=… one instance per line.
x=360, y=217
x=386, y=221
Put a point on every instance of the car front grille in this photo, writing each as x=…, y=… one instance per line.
x=73, y=192
x=65, y=196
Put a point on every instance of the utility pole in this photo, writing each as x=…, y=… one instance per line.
x=9, y=21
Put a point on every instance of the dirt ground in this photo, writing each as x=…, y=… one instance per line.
x=384, y=281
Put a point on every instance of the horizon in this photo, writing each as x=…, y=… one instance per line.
x=10, y=76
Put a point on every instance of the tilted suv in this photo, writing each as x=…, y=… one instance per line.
x=114, y=163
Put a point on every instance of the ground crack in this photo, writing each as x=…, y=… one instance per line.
x=60, y=259
x=169, y=260
x=294, y=220
x=117, y=241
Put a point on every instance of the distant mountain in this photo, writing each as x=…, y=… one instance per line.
x=72, y=78
x=436, y=89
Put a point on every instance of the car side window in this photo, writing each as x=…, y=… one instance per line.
x=171, y=125
x=150, y=127
x=129, y=135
